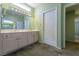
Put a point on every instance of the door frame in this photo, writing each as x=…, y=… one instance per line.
x=55, y=8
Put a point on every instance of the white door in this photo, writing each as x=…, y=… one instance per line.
x=50, y=27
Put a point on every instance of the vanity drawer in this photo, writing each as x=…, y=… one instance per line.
x=10, y=35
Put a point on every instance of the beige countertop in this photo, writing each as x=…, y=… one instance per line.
x=14, y=30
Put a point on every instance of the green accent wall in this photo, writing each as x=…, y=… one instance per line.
x=38, y=20
x=70, y=26
x=63, y=32
x=63, y=25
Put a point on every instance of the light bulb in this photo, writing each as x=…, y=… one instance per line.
x=16, y=10
x=2, y=16
x=12, y=8
x=24, y=13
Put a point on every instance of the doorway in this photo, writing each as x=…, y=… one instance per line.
x=72, y=25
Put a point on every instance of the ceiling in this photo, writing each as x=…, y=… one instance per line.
x=34, y=4
x=74, y=8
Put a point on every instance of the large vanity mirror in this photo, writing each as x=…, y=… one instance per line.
x=14, y=16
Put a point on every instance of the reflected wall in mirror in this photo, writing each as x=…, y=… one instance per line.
x=8, y=24
x=77, y=26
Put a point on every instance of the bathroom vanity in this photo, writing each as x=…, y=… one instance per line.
x=15, y=28
x=12, y=41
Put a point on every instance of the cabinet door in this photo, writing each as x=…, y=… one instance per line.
x=30, y=37
x=9, y=45
x=0, y=46
x=22, y=42
x=26, y=37
x=35, y=36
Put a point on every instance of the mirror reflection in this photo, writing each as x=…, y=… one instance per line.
x=14, y=17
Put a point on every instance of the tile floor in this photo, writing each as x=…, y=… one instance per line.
x=37, y=49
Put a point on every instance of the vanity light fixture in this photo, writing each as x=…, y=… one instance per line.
x=22, y=6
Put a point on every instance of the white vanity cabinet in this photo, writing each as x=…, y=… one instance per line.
x=13, y=41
